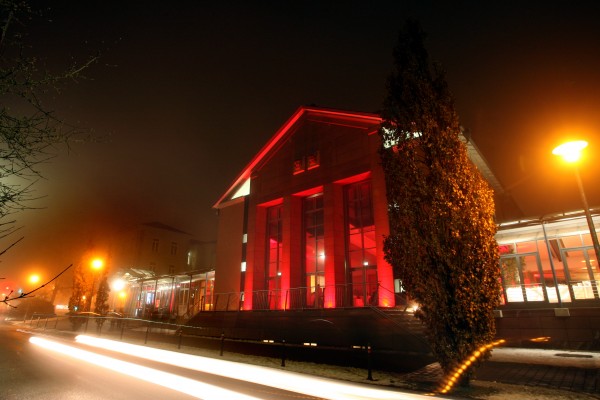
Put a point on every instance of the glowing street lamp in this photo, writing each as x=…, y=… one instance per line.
x=96, y=264
x=34, y=279
x=571, y=153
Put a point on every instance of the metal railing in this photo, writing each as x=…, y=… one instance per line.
x=300, y=298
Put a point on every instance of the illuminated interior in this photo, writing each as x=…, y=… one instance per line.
x=553, y=263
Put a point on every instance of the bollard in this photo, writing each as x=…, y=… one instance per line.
x=369, y=362
x=122, y=329
x=45, y=323
x=180, y=336
x=222, y=342
x=147, y=331
x=283, y=353
x=56, y=322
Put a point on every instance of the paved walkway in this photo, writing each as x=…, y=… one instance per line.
x=575, y=371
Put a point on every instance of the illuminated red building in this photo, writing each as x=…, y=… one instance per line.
x=302, y=227
x=303, y=224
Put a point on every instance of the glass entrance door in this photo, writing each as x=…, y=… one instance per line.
x=364, y=287
x=582, y=269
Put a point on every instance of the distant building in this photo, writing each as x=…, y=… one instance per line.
x=154, y=247
x=169, y=274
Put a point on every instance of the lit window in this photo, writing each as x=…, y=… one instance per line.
x=361, y=244
x=314, y=249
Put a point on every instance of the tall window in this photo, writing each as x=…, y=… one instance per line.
x=155, y=245
x=314, y=249
x=274, y=247
x=361, y=244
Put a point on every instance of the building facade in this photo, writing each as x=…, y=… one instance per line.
x=303, y=225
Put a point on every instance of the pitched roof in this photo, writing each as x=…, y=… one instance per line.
x=240, y=186
x=282, y=133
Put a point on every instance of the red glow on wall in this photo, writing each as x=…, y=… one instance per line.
x=284, y=130
x=309, y=192
x=354, y=179
x=272, y=203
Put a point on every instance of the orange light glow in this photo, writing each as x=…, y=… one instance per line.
x=570, y=151
x=35, y=278
x=97, y=263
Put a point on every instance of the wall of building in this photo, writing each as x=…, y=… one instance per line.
x=229, y=250
x=153, y=247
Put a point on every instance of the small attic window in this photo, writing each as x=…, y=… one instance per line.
x=298, y=166
x=244, y=190
x=306, y=163
x=313, y=160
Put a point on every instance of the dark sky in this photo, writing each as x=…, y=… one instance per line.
x=185, y=93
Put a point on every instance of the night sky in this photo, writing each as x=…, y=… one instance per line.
x=185, y=93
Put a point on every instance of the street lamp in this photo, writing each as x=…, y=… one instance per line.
x=571, y=152
x=34, y=279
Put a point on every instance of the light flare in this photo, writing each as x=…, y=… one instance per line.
x=178, y=383
x=570, y=151
x=299, y=383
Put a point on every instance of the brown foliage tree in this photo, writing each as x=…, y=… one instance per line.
x=441, y=211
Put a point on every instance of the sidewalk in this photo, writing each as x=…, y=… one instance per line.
x=558, y=373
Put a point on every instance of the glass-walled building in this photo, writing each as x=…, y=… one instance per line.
x=170, y=298
x=549, y=262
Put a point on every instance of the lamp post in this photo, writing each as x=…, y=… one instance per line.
x=571, y=152
x=96, y=264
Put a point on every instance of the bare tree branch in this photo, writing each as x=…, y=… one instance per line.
x=8, y=299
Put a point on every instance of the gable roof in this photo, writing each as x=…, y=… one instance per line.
x=282, y=133
x=241, y=185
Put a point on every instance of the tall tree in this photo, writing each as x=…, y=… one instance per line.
x=441, y=211
x=101, y=303
x=81, y=288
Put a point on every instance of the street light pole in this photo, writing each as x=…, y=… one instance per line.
x=96, y=265
x=588, y=216
x=571, y=152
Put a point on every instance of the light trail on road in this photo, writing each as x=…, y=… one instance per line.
x=299, y=383
x=188, y=386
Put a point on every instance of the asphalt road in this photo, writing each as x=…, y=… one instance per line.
x=30, y=372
